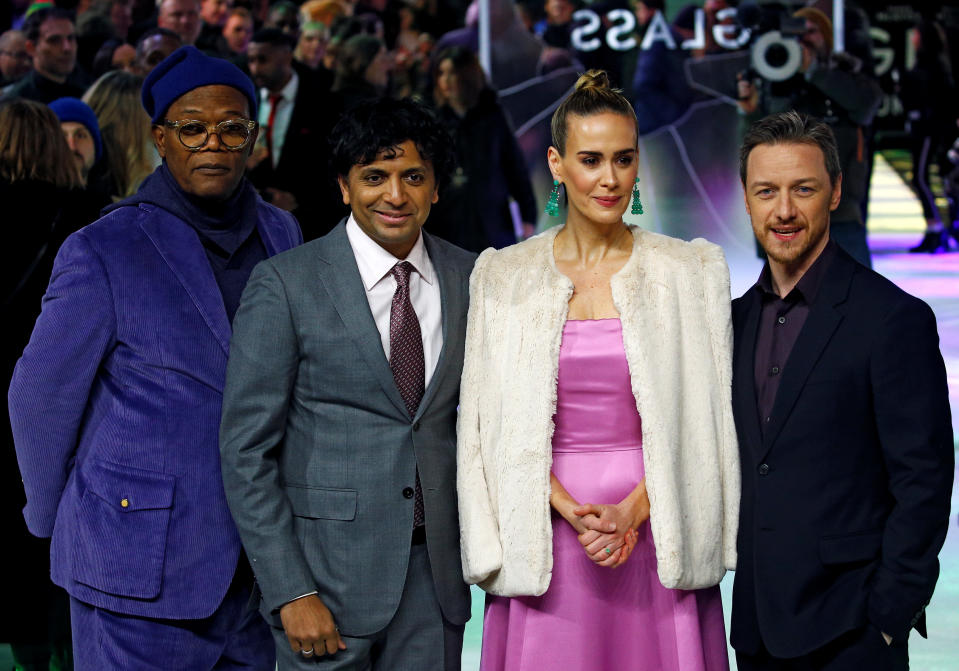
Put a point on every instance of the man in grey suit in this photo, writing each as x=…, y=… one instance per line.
x=338, y=436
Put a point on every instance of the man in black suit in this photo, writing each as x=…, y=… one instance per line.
x=289, y=165
x=52, y=44
x=842, y=411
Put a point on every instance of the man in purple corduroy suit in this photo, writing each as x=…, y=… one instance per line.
x=115, y=403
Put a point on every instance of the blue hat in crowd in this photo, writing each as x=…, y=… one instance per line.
x=74, y=109
x=186, y=69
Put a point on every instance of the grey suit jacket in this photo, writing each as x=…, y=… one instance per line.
x=317, y=447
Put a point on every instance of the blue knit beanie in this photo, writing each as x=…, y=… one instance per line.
x=188, y=68
x=74, y=109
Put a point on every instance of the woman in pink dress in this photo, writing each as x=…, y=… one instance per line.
x=598, y=475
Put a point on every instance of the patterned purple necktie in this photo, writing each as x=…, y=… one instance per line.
x=406, y=359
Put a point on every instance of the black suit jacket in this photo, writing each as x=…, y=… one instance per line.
x=303, y=168
x=845, y=495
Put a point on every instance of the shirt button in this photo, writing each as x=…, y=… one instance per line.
x=781, y=320
x=124, y=503
x=768, y=420
x=763, y=469
x=407, y=492
x=774, y=370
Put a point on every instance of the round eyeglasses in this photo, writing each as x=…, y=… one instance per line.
x=234, y=134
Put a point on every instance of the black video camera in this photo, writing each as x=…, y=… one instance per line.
x=776, y=54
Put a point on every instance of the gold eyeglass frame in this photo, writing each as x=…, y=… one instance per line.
x=249, y=123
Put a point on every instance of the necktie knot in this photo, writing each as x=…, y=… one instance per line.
x=401, y=272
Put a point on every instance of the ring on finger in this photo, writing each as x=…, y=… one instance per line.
x=307, y=653
x=607, y=551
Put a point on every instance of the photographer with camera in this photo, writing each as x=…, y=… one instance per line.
x=833, y=87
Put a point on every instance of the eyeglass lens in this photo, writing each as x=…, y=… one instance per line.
x=232, y=134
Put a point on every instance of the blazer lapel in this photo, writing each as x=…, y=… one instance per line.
x=341, y=278
x=824, y=318
x=451, y=304
x=270, y=229
x=744, y=372
x=181, y=249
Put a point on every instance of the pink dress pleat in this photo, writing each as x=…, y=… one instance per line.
x=593, y=618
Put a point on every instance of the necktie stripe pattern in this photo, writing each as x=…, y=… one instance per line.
x=406, y=359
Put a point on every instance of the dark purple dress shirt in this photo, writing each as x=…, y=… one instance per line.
x=780, y=322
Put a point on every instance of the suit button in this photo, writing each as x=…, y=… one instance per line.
x=763, y=469
x=416, y=426
x=124, y=503
x=407, y=492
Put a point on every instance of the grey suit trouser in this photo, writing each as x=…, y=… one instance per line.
x=418, y=638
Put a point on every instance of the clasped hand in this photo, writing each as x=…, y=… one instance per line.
x=607, y=532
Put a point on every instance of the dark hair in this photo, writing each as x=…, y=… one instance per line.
x=31, y=27
x=469, y=72
x=240, y=11
x=274, y=37
x=345, y=27
x=354, y=57
x=791, y=127
x=659, y=5
x=375, y=126
x=103, y=60
x=591, y=95
x=685, y=18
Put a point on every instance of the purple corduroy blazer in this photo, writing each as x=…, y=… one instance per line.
x=115, y=408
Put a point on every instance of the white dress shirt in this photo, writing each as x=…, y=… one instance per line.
x=375, y=264
x=284, y=112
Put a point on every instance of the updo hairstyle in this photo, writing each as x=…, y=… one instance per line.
x=592, y=95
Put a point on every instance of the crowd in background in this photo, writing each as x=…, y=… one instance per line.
x=74, y=137
x=313, y=60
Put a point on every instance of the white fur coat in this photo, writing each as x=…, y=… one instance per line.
x=673, y=301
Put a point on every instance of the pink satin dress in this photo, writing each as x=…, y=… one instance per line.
x=593, y=618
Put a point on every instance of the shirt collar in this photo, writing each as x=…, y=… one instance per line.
x=288, y=92
x=375, y=263
x=808, y=285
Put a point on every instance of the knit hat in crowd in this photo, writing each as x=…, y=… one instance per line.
x=186, y=69
x=74, y=109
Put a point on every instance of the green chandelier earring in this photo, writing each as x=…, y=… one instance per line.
x=637, y=203
x=552, y=203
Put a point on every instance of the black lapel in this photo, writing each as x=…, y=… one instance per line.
x=746, y=330
x=825, y=315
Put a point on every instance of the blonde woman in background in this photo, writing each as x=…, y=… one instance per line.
x=311, y=45
x=125, y=130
